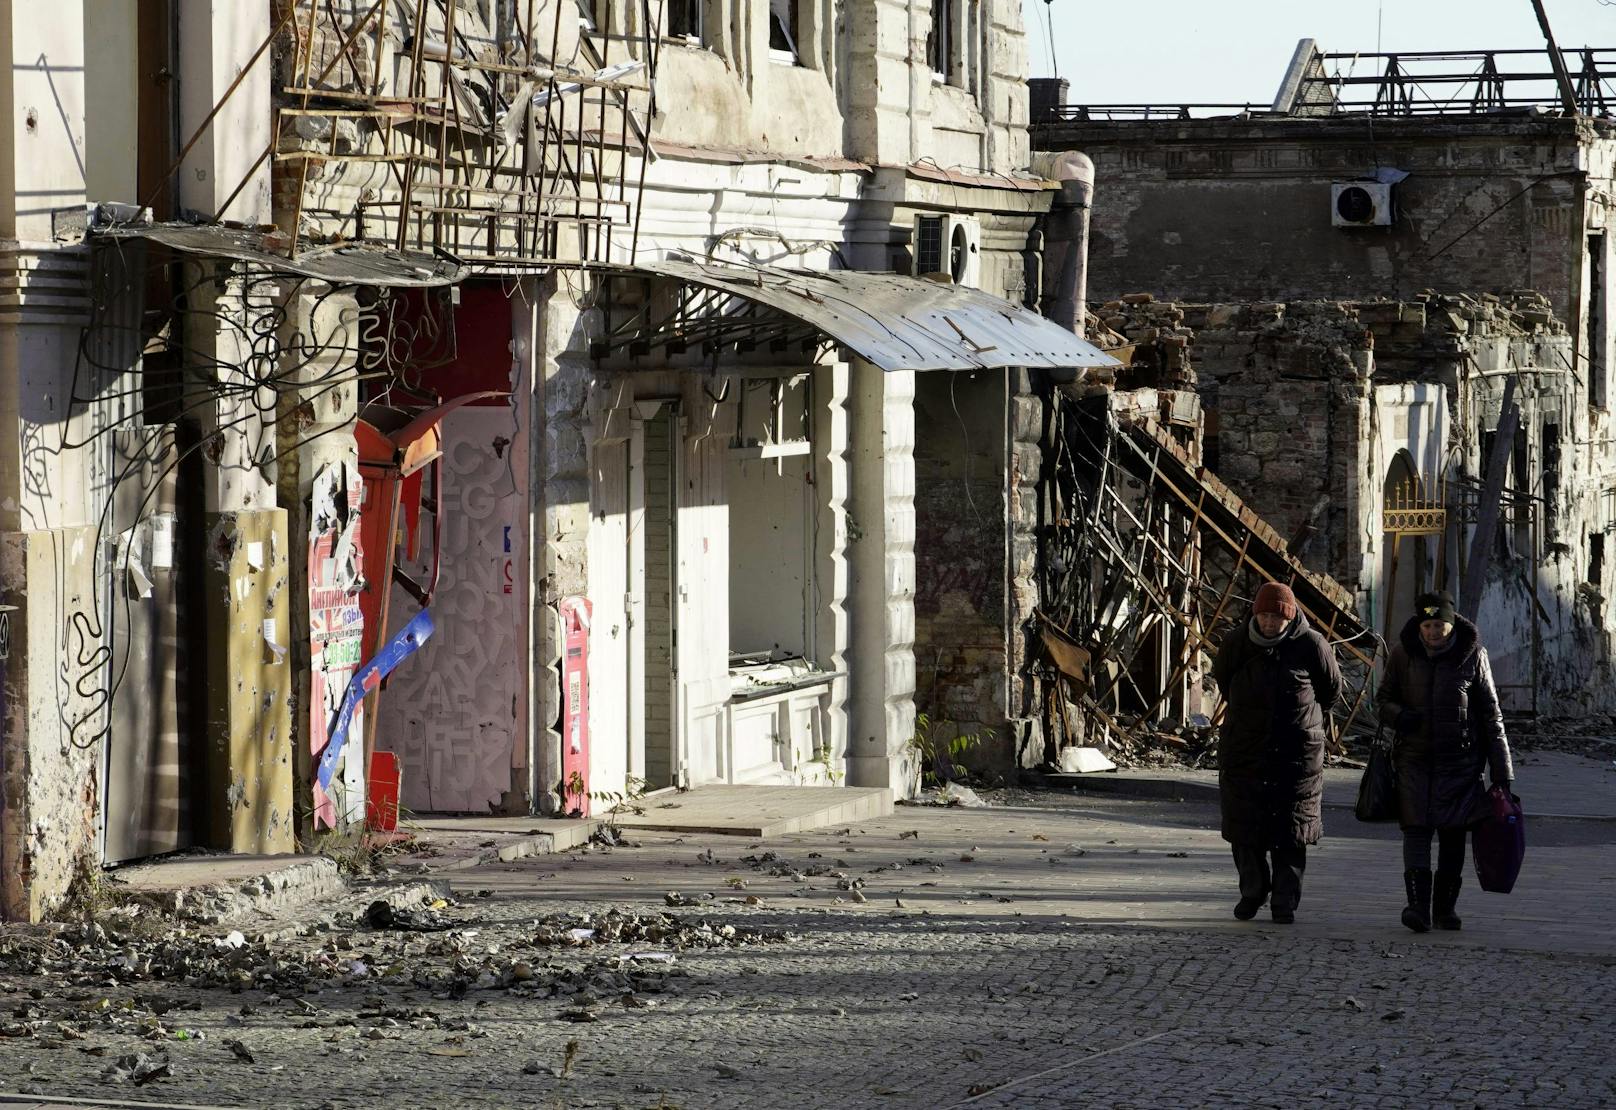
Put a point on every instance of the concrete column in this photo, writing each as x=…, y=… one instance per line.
x=881, y=567
x=885, y=63
x=1025, y=461
x=560, y=480
x=216, y=39
x=50, y=736
x=831, y=573
x=245, y=802
x=318, y=403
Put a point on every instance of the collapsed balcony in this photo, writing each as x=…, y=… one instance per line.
x=1147, y=562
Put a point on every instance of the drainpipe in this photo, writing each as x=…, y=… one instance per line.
x=1066, y=237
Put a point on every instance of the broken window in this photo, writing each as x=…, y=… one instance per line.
x=952, y=44
x=940, y=40
x=685, y=20
x=1520, y=484
x=1551, y=474
x=784, y=30
x=769, y=486
x=1596, y=316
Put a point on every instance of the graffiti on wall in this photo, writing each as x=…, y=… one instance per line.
x=456, y=718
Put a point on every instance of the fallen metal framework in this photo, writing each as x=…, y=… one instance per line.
x=1147, y=561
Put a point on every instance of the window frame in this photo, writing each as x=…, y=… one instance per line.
x=697, y=11
x=792, y=31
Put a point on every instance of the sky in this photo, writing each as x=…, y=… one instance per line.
x=1236, y=51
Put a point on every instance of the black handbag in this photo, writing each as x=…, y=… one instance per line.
x=1377, y=790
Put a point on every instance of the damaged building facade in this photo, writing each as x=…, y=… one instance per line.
x=1362, y=274
x=506, y=407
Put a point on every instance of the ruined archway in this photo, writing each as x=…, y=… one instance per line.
x=1413, y=519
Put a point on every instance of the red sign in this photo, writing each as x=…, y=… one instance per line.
x=575, y=704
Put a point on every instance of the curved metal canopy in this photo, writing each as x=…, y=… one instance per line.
x=898, y=322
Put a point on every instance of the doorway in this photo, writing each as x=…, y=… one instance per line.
x=661, y=635
x=1405, y=564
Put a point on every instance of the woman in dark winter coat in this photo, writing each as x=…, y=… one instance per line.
x=1278, y=679
x=1438, y=696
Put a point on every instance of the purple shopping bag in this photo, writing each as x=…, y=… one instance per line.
x=1498, y=842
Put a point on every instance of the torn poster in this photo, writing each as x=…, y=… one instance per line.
x=336, y=628
x=395, y=651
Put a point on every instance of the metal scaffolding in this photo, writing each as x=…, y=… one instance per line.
x=1147, y=561
x=414, y=124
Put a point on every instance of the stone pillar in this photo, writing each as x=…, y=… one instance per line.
x=560, y=481
x=1024, y=459
x=216, y=38
x=318, y=402
x=881, y=567
x=831, y=567
x=886, y=62
x=245, y=804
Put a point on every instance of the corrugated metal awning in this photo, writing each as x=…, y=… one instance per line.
x=349, y=264
x=898, y=322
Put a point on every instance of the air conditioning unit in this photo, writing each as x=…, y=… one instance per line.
x=1360, y=204
x=948, y=245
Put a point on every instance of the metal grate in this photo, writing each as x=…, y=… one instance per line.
x=929, y=245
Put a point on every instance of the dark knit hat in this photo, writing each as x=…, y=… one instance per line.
x=1434, y=606
x=1275, y=597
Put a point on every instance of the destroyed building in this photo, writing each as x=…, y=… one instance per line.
x=1362, y=274
x=490, y=406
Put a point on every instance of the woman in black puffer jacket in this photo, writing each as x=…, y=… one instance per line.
x=1278, y=678
x=1438, y=696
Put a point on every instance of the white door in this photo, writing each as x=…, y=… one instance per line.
x=616, y=591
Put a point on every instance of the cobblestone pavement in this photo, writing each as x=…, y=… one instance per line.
x=1066, y=953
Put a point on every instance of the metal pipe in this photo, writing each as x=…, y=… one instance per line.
x=1066, y=240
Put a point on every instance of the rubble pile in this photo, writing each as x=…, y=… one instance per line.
x=1149, y=337
x=131, y=974
x=1131, y=742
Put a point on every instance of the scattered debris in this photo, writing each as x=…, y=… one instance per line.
x=382, y=914
x=1076, y=760
x=140, y=1068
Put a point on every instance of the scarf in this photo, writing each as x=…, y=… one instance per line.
x=1263, y=641
x=1433, y=652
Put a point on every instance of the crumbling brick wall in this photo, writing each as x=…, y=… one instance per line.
x=1241, y=209
x=1283, y=388
x=1288, y=391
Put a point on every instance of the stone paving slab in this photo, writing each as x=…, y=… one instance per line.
x=455, y=843
x=1096, y=862
x=758, y=810
x=975, y=972
x=42, y=1102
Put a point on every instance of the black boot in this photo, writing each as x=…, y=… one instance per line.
x=1445, y=896
x=1417, y=914
x=1252, y=864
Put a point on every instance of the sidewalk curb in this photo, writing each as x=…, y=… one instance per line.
x=519, y=847
x=1171, y=790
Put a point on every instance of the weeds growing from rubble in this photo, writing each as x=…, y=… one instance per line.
x=939, y=755
x=612, y=803
x=90, y=894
